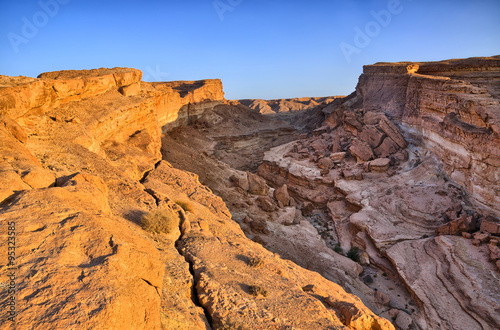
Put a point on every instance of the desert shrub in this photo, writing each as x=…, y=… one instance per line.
x=338, y=249
x=353, y=254
x=257, y=290
x=160, y=221
x=186, y=206
x=256, y=262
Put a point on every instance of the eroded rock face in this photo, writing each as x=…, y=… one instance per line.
x=454, y=108
x=81, y=166
x=81, y=263
x=358, y=196
x=183, y=102
x=285, y=105
x=233, y=274
x=452, y=281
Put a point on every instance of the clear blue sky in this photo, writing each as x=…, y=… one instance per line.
x=259, y=48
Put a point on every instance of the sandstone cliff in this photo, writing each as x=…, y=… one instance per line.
x=381, y=204
x=81, y=166
x=453, y=107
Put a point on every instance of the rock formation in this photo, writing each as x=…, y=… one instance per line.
x=82, y=167
x=165, y=206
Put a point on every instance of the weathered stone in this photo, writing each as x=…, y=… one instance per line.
x=352, y=174
x=266, y=203
x=382, y=298
x=131, y=90
x=319, y=145
x=364, y=259
x=281, y=195
x=379, y=165
x=256, y=184
x=337, y=157
x=392, y=131
x=481, y=237
x=325, y=163
x=361, y=150
x=490, y=226
x=403, y=321
x=494, y=252
x=307, y=209
x=13, y=128
x=387, y=148
x=240, y=182
x=371, y=135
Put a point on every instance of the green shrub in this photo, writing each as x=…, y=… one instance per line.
x=257, y=290
x=160, y=221
x=353, y=254
x=256, y=262
x=186, y=206
x=338, y=249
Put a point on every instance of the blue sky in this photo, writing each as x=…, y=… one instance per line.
x=259, y=48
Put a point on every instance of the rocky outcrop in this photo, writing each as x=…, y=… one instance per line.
x=34, y=96
x=85, y=266
x=183, y=102
x=452, y=108
x=451, y=280
x=81, y=155
x=285, y=105
x=239, y=282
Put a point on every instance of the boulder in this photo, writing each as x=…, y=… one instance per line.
x=307, y=209
x=266, y=203
x=319, y=145
x=256, y=184
x=325, y=163
x=240, y=182
x=392, y=131
x=352, y=174
x=361, y=150
x=371, y=135
x=281, y=195
x=488, y=225
x=258, y=225
x=337, y=157
x=387, y=148
x=494, y=252
x=379, y=165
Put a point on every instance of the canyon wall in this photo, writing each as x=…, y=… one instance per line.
x=81, y=168
x=182, y=102
x=452, y=107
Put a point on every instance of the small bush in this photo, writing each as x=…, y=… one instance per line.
x=338, y=249
x=161, y=221
x=257, y=290
x=256, y=262
x=187, y=207
x=353, y=254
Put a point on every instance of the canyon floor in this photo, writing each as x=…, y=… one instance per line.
x=377, y=210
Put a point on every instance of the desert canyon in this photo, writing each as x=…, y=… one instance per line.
x=376, y=210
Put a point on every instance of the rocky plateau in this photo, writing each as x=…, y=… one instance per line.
x=377, y=210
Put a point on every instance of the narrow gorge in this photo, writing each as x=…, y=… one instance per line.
x=376, y=210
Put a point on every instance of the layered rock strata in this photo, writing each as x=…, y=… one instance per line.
x=82, y=164
x=453, y=108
